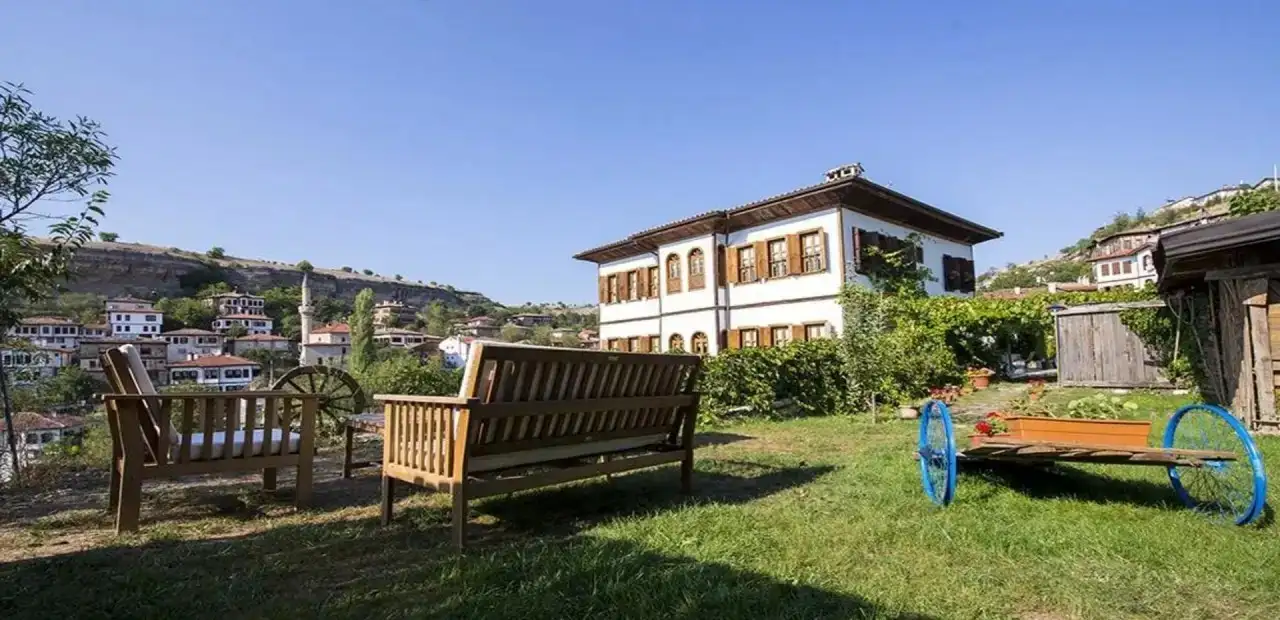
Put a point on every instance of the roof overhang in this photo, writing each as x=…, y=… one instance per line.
x=853, y=193
x=1237, y=245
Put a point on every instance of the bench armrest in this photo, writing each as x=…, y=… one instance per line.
x=425, y=400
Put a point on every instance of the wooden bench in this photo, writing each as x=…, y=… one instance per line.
x=215, y=432
x=568, y=413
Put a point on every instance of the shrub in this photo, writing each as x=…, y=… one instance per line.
x=216, y=252
x=797, y=379
x=402, y=373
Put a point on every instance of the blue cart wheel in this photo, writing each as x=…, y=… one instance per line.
x=937, y=453
x=1227, y=491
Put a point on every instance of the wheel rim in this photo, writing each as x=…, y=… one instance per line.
x=344, y=397
x=937, y=453
x=1227, y=491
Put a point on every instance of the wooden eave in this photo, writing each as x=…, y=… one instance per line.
x=853, y=193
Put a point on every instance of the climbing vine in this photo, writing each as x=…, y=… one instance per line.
x=1175, y=336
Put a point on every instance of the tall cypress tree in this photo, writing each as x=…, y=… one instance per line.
x=362, y=351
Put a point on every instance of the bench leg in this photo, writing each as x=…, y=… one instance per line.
x=302, y=492
x=388, y=498
x=686, y=472
x=459, y=518
x=269, y=479
x=129, y=501
x=113, y=491
x=349, y=435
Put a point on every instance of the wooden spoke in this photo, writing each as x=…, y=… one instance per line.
x=345, y=396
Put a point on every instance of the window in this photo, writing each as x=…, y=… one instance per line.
x=633, y=343
x=151, y=318
x=1146, y=263
x=747, y=264
x=750, y=338
x=698, y=343
x=1115, y=268
x=211, y=373
x=676, y=342
x=633, y=285
x=811, y=251
x=1106, y=269
x=814, y=331
x=33, y=438
x=613, y=289
x=697, y=269
x=655, y=344
x=1128, y=266
x=780, y=335
x=673, y=274
x=778, y=258
x=653, y=281
x=614, y=344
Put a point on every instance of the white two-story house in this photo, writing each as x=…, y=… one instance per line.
x=1126, y=258
x=252, y=323
x=190, y=343
x=227, y=373
x=770, y=272
x=133, y=318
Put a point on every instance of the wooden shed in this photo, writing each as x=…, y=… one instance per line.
x=1234, y=267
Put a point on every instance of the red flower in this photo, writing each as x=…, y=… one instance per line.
x=983, y=427
x=993, y=414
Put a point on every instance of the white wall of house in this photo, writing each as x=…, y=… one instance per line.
x=225, y=378
x=454, y=350
x=934, y=249
x=334, y=354
x=772, y=290
x=130, y=324
x=252, y=326
x=627, y=310
x=183, y=348
x=688, y=299
x=1141, y=270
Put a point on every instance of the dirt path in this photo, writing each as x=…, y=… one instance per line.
x=978, y=404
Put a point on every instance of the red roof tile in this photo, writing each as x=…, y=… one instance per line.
x=48, y=320
x=262, y=337
x=29, y=421
x=332, y=328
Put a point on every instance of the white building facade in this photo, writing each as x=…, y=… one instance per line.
x=48, y=331
x=131, y=318
x=227, y=373
x=189, y=344
x=237, y=303
x=770, y=272
x=252, y=323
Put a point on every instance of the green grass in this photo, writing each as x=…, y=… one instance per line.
x=813, y=518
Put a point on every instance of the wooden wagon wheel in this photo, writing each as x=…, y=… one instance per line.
x=345, y=397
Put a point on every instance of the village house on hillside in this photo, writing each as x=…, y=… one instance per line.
x=227, y=373
x=130, y=318
x=478, y=327
x=327, y=344
x=392, y=312
x=35, y=432
x=190, y=343
x=260, y=342
x=154, y=354
x=769, y=272
x=237, y=303
x=1126, y=258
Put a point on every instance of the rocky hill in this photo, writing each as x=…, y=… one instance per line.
x=117, y=269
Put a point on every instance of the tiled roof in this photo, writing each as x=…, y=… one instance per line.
x=190, y=331
x=262, y=337
x=48, y=320
x=1122, y=253
x=30, y=421
x=332, y=328
x=214, y=361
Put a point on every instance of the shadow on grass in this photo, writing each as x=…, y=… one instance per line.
x=354, y=568
x=1058, y=481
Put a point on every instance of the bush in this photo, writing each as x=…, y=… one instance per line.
x=403, y=373
x=797, y=379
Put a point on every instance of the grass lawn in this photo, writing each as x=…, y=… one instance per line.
x=814, y=518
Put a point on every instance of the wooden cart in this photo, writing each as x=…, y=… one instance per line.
x=1214, y=466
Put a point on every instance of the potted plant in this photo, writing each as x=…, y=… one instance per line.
x=1035, y=389
x=991, y=425
x=947, y=394
x=980, y=378
x=1089, y=420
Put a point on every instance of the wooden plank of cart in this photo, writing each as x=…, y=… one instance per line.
x=1214, y=466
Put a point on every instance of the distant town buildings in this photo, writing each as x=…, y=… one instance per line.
x=252, y=323
x=237, y=303
x=401, y=338
x=327, y=344
x=131, y=318
x=478, y=327
x=154, y=354
x=530, y=320
x=260, y=342
x=35, y=432
x=392, y=313
x=190, y=343
x=225, y=372
x=1126, y=258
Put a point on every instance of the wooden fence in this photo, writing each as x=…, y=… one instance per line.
x=1095, y=349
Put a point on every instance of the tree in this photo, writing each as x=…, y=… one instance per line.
x=216, y=252
x=1259, y=200
x=108, y=237
x=511, y=333
x=541, y=335
x=399, y=277
x=363, y=353
x=436, y=319
x=367, y=272
x=305, y=266
x=184, y=312
x=44, y=163
x=237, y=331
x=569, y=339
x=274, y=361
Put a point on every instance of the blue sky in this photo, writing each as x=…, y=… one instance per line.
x=482, y=143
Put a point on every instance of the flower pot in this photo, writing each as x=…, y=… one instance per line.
x=980, y=382
x=979, y=439
x=1128, y=433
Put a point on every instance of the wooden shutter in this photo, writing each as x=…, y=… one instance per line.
x=822, y=251
x=642, y=281
x=719, y=266
x=624, y=286
x=968, y=280
x=797, y=333
x=735, y=339
x=644, y=344
x=794, y=266
x=764, y=337
x=761, y=250
x=857, y=250
x=731, y=264
x=624, y=344
x=948, y=279
x=604, y=289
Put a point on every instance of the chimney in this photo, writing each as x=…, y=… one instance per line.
x=847, y=170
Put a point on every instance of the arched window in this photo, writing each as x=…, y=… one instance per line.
x=698, y=342
x=696, y=270
x=673, y=273
x=677, y=343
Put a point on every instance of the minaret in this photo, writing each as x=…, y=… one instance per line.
x=305, y=311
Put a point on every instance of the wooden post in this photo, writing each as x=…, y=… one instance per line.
x=348, y=435
x=306, y=452
x=1259, y=341
x=388, y=498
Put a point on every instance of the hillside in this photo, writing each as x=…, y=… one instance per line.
x=117, y=269
x=1071, y=262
